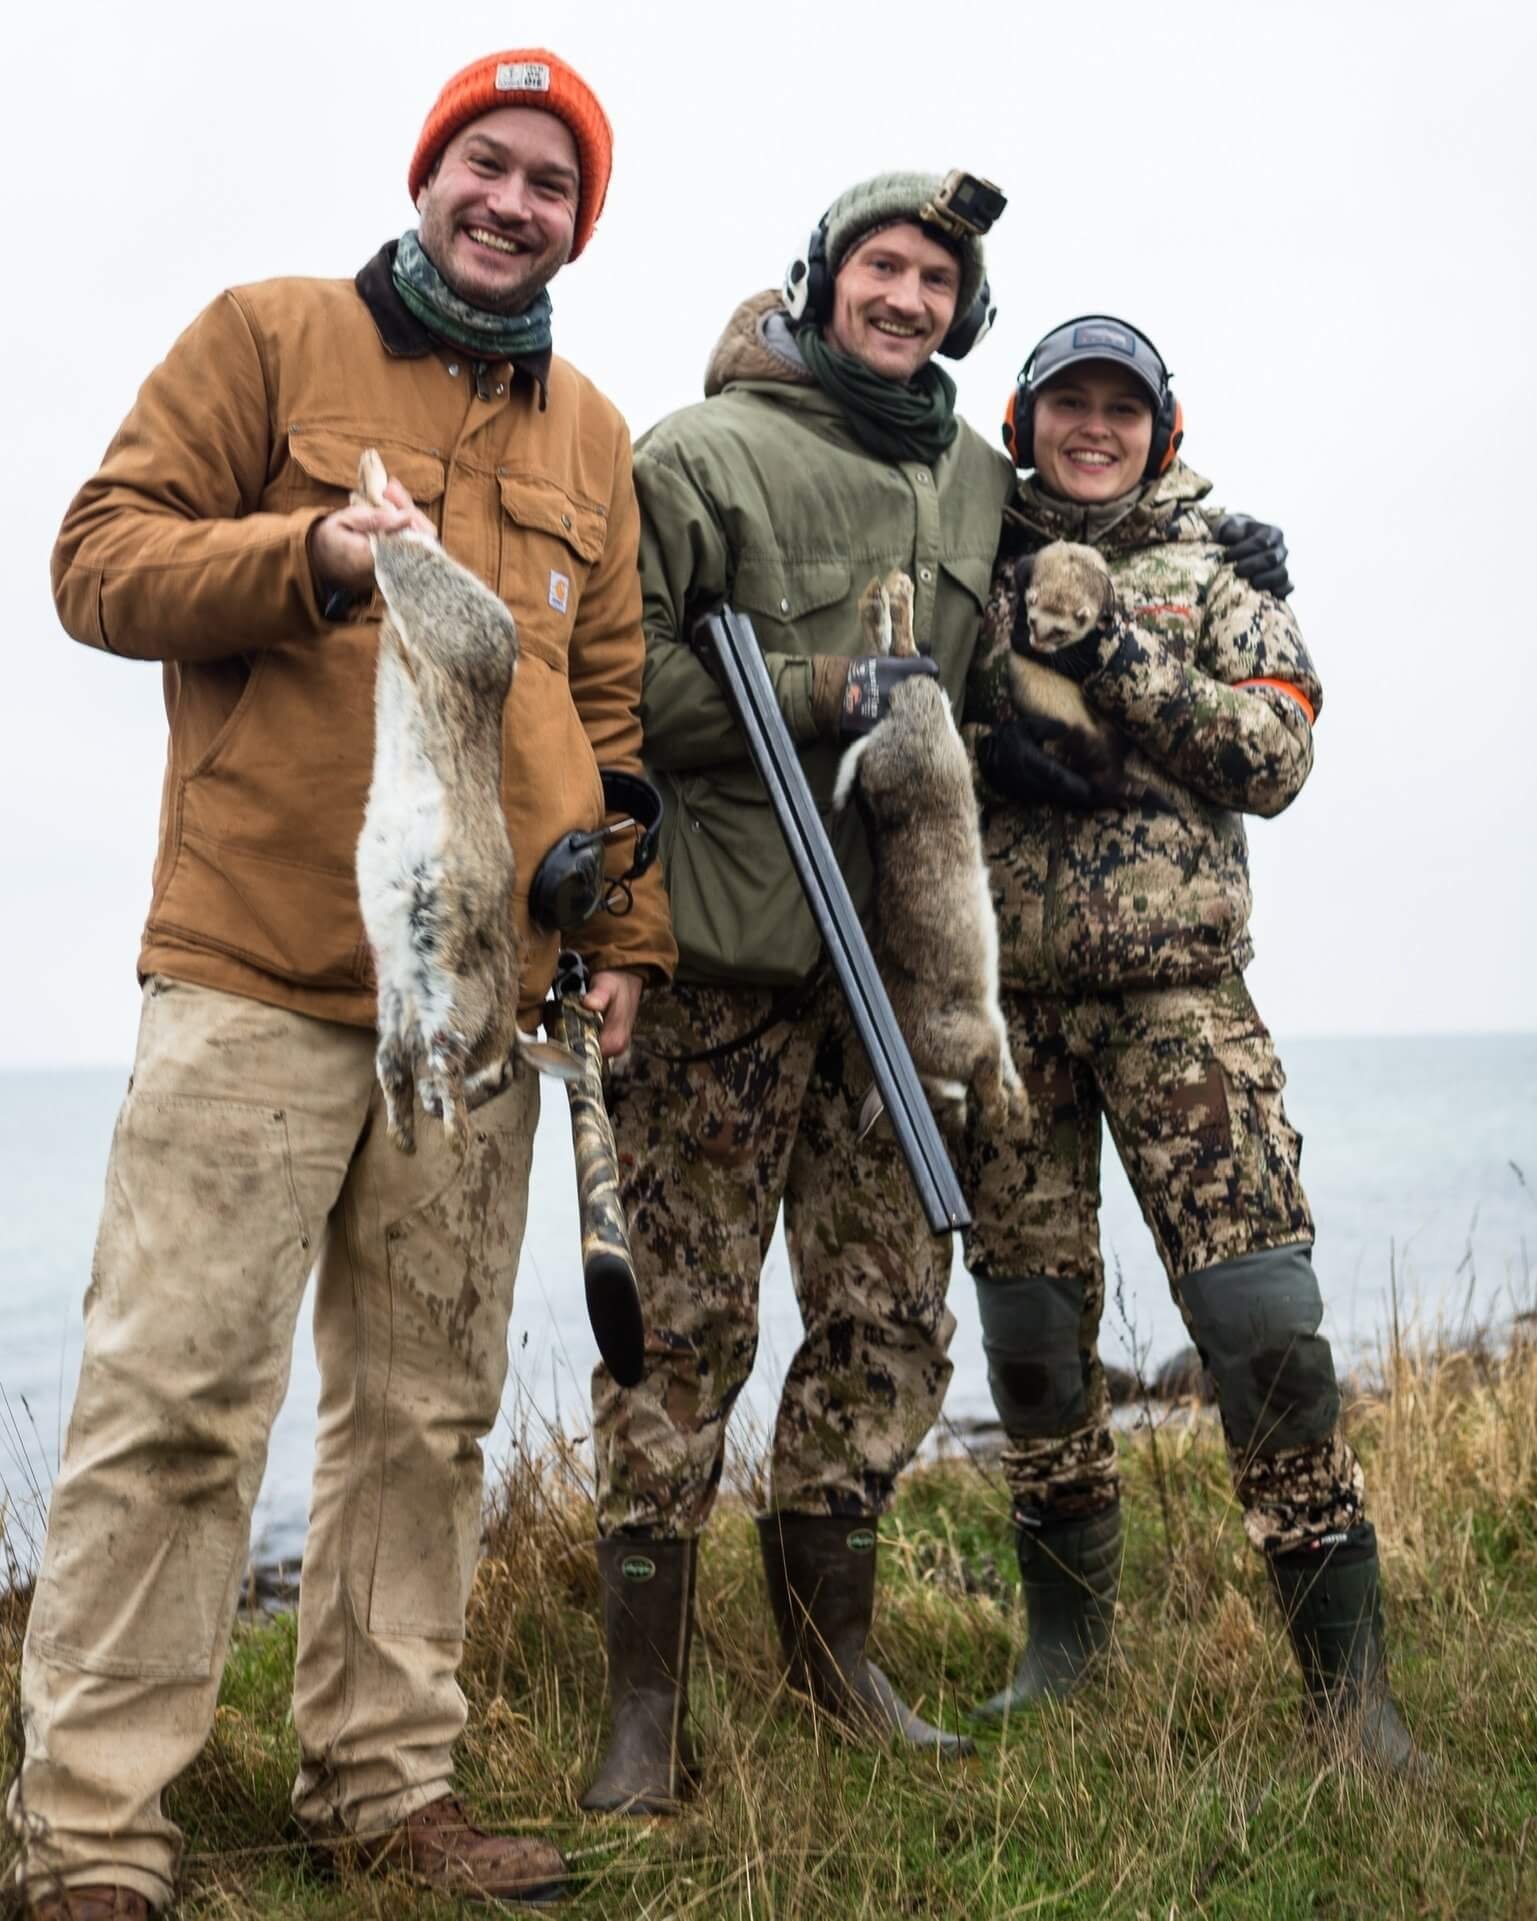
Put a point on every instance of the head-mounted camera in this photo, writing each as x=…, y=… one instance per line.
x=569, y=884
x=964, y=204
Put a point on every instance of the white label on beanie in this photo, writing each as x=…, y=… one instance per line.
x=523, y=76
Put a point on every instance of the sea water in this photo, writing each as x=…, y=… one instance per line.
x=1420, y=1161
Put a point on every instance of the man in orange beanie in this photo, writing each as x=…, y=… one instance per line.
x=218, y=539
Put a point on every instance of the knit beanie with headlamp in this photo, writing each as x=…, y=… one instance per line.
x=886, y=200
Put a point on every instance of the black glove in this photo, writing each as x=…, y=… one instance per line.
x=1077, y=660
x=1256, y=552
x=872, y=680
x=1014, y=762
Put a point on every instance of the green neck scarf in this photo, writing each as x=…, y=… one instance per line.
x=894, y=420
x=488, y=336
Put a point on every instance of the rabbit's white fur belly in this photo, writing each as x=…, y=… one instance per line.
x=400, y=863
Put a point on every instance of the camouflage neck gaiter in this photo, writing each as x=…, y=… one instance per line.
x=488, y=336
x=1085, y=521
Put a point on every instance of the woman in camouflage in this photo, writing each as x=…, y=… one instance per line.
x=1122, y=886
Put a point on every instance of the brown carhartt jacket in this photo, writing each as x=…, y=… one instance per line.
x=189, y=547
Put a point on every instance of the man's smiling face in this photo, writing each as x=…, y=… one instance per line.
x=894, y=300
x=498, y=213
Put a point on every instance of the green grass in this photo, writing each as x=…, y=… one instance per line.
x=1185, y=1784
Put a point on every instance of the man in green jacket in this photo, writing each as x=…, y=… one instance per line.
x=826, y=452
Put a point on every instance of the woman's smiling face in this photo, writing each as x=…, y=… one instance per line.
x=1092, y=430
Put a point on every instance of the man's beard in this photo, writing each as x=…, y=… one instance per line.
x=515, y=301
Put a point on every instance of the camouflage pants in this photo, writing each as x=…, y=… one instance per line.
x=1188, y=1082
x=708, y=1150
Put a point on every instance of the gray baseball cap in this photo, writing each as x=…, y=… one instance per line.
x=1097, y=337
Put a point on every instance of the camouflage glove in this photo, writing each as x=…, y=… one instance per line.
x=849, y=697
x=1256, y=552
x=1013, y=761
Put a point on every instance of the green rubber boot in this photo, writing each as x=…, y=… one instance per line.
x=648, y=1622
x=1331, y=1600
x=1070, y=1572
x=821, y=1580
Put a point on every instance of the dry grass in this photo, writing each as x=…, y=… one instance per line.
x=1185, y=1785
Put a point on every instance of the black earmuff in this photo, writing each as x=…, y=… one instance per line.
x=808, y=298
x=971, y=326
x=808, y=288
x=1019, y=412
x=570, y=885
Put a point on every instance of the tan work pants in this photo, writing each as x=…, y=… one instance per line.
x=250, y=1147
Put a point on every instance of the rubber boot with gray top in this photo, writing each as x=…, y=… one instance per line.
x=1070, y=1572
x=648, y=1622
x=1331, y=1600
x=821, y=1582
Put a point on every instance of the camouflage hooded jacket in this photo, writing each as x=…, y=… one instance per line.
x=1210, y=685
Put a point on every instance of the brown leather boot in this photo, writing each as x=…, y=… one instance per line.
x=821, y=1581
x=95, y=1903
x=439, y=1848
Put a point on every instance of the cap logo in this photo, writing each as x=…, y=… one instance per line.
x=862, y=1541
x=637, y=1567
x=522, y=76
x=1096, y=333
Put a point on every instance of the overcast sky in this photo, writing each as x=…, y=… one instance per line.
x=1321, y=213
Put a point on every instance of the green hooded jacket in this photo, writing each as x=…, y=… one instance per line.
x=759, y=497
x=1210, y=685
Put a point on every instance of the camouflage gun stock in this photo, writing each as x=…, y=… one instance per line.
x=613, y=1300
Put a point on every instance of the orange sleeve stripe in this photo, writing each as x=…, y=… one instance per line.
x=1283, y=687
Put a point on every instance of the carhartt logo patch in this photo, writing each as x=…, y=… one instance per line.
x=560, y=591
x=637, y=1567
x=862, y=1541
x=522, y=76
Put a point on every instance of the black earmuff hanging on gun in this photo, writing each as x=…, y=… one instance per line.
x=569, y=885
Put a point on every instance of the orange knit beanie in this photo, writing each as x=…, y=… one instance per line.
x=525, y=77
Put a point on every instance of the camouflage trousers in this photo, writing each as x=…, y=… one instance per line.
x=1188, y=1082
x=708, y=1150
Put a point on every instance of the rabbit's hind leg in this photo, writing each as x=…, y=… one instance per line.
x=442, y=1084
x=392, y=1062
x=947, y=1097
x=898, y=590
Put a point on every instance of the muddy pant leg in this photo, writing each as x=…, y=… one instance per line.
x=867, y=1381
x=229, y=1149
x=703, y=1151
x=413, y=1297
x=1033, y=1250
x=1193, y=1091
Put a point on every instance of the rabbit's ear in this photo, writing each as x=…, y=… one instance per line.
x=551, y=1058
x=873, y=1108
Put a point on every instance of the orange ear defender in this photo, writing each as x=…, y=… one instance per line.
x=1168, y=432
x=1095, y=337
x=1008, y=426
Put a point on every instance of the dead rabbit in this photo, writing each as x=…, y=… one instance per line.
x=435, y=868
x=936, y=937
